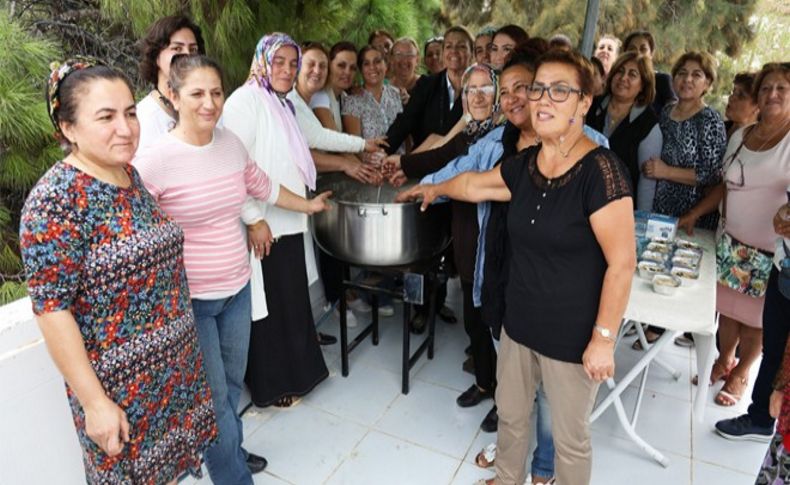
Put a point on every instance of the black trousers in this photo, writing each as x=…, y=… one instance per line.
x=331, y=270
x=776, y=326
x=483, y=351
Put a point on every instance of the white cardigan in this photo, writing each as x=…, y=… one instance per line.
x=245, y=114
x=319, y=137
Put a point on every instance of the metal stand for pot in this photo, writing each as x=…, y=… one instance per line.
x=430, y=275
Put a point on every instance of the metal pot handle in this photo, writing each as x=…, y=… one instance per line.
x=366, y=211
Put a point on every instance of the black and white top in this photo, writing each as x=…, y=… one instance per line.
x=556, y=265
x=699, y=143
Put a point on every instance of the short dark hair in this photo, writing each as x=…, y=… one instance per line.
x=515, y=32
x=341, y=46
x=647, y=75
x=432, y=40
x=640, y=33
x=317, y=46
x=527, y=54
x=158, y=38
x=71, y=90
x=364, y=50
x=574, y=59
x=706, y=61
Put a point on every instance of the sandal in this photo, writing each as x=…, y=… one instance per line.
x=732, y=392
x=719, y=372
x=287, y=402
x=486, y=457
x=649, y=336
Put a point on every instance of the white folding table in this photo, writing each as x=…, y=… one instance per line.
x=690, y=309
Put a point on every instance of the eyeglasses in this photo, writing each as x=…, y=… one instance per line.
x=404, y=55
x=558, y=93
x=733, y=159
x=484, y=90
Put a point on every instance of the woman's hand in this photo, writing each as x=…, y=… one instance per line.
x=427, y=193
x=391, y=165
x=687, y=222
x=106, y=425
x=319, y=203
x=375, y=144
x=775, y=404
x=655, y=168
x=782, y=221
x=397, y=179
x=363, y=172
x=404, y=96
x=598, y=359
x=259, y=239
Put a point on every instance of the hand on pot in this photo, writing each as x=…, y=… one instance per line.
x=397, y=179
x=363, y=172
x=427, y=193
x=319, y=203
x=391, y=165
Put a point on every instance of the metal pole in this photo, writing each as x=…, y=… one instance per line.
x=590, y=22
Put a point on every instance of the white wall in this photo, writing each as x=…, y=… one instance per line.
x=38, y=444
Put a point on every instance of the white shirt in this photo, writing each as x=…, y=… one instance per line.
x=319, y=137
x=154, y=121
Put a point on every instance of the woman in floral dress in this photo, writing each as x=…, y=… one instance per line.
x=107, y=283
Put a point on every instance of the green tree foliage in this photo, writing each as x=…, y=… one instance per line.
x=27, y=147
x=233, y=27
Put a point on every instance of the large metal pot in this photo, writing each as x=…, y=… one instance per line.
x=360, y=230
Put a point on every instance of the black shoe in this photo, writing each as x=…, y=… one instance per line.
x=447, y=315
x=490, y=422
x=742, y=428
x=469, y=365
x=417, y=324
x=472, y=397
x=324, y=339
x=255, y=463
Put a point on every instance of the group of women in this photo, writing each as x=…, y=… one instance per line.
x=169, y=257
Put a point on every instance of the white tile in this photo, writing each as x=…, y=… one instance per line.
x=445, y=368
x=386, y=460
x=429, y=416
x=254, y=417
x=468, y=474
x=362, y=397
x=304, y=444
x=709, y=447
x=620, y=462
x=664, y=422
x=705, y=473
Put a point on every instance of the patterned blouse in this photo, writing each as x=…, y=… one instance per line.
x=699, y=143
x=375, y=117
x=114, y=259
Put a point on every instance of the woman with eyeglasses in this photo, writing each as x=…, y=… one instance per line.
x=756, y=176
x=403, y=61
x=570, y=263
x=741, y=108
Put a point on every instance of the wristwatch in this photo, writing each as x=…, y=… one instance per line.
x=604, y=332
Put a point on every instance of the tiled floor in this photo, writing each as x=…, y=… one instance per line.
x=362, y=430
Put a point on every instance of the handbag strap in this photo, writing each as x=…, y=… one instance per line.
x=732, y=160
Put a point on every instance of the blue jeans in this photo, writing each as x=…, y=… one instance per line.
x=543, y=457
x=223, y=328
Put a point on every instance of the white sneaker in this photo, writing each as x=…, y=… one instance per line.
x=351, y=319
x=386, y=310
x=359, y=305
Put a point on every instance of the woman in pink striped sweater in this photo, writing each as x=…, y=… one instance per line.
x=201, y=176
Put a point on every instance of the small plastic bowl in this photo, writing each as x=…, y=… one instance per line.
x=688, y=276
x=684, y=244
x=649, y=269
x=666, y=284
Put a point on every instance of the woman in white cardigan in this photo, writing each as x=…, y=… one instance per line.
x=285, y=360
x=342, y=147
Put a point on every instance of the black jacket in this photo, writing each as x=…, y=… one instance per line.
x=625, y=139
x=428, y=111
x=664, y=92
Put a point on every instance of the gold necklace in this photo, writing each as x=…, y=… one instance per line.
x=770, y=138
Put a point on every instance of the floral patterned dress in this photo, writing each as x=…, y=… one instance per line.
x=113, y=258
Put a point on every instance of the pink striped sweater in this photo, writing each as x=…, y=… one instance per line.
x=203, y=188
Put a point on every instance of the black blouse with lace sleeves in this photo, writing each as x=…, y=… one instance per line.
x=557, y=266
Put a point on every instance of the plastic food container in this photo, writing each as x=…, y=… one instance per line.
x=666, y=284
x=684, y=244
x=692, y=263
x=659, y=247
x=654, y=256
x=688, y=276
x=648, y=269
